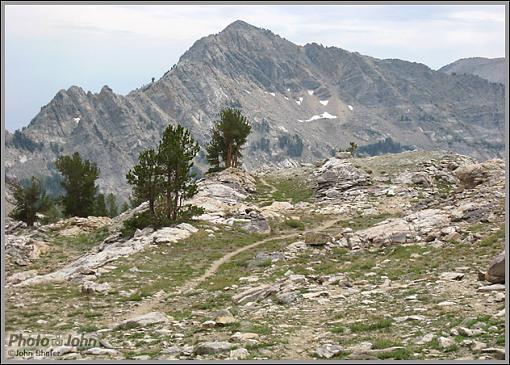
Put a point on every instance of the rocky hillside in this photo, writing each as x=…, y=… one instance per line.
x=304, y=101
x=491, y=69
x=389, y=257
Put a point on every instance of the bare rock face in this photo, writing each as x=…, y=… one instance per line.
x=496, y=272
x=313, y=96
x=77, y=225
x=475, y=174
x=222, y=195
x=471, y=175
x=491, y=69
x=339, y=175
x=22, y=249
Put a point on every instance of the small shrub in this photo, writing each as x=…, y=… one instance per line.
x=146, y=219
x=292, y=223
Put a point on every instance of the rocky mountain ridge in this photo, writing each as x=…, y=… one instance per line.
x=491, y=69
x=305, y=102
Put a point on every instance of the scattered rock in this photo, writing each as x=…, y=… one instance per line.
x=144, y=320
x=493, y=287
x=497, y=353
x=89, y=287
x=496, y=272
x=445, y=342
x=225, y=318
x=239, y=354
x=98, y=351
x=209, y=348
x=463, y=331
x=327, y=351
x=244, y=336
x=451, y=276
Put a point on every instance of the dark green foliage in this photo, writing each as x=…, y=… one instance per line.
x=100, y=206
x=139, y=221
x=112, y=210
x=382, y=147
x=21, y=141
x=156, y=221
x=293, y=145
x=125, y=206
x=146, y=179
x=352, y=148
x=30, y=200
x=228, y=136
x=52, y=213
x=166, y=179
x=50, y=184
x=79, y=177
x=175, y=158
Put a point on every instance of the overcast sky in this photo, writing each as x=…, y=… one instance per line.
x=49, y=48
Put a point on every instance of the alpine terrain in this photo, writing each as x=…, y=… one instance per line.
x=305, y=103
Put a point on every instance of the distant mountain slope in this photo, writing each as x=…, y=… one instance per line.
x=492, y=69
x=304, y=102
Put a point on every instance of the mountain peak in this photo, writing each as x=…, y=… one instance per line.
x=239, y=25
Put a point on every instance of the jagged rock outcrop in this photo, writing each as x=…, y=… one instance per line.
x=304, y=102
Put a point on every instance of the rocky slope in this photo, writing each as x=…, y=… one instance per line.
x=304, y=102
x=491, y=69
x=388, y=257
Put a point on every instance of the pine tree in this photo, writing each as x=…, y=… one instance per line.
x=145, y=178
x=229, y=134
x=175, y=154
x=30, y=200
x=79, y=177
x=100, y=206
x=125, y=206
x=111, y=206
x=352, y=148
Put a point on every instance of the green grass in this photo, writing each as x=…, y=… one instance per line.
x=93, y=315
x=293, y=190
x=363, y=222
x=292, y=223
x=379, y=324
x=213, y=302
x=86, y=328
x=444, y=187
x=399, y=354
x=229, y=273
x=492, y=239
x=338, y=329
x=166, y=268
x=259, y=329
x=382, y=343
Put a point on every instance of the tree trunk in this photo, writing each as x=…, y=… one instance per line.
x=228, y=163
x=151, y=205
x=168, y=198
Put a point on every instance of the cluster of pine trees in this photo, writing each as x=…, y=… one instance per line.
x=163, y=177
x=81, y=196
